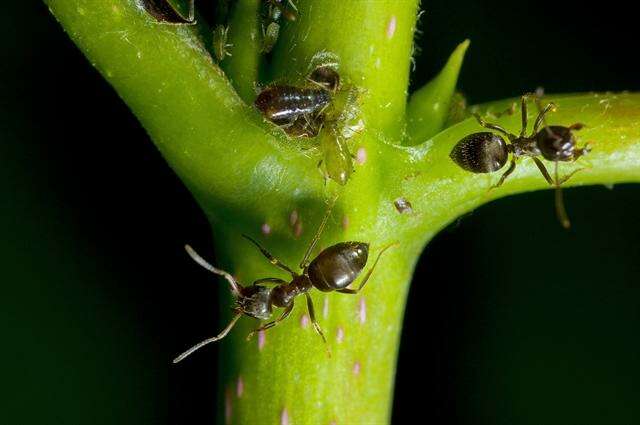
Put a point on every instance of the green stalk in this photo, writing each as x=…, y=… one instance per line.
x=250, y=178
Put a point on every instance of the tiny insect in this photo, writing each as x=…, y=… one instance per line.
x=334, y=269
x=336, y=159
x=220, y=45
x=486, y=152
x=164, y=12
x=275, y=9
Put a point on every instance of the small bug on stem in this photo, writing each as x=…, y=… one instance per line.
x=334, y=269
x=220, y=45
x=486, y=152
x=274, y=10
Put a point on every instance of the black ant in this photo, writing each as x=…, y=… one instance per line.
x=334, y=269
x=299, y=110
x=487, y=152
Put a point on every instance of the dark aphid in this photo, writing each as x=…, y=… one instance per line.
x=284, y=105
x=334, y=269
x=326, y=77
x=220, y=45
x=164, y=12
x=486, y=152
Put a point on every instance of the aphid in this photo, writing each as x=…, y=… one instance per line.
x=276, y=9
x=334, y=269
x=486, y=152
x=163, y=11
x=270, y=36
x=336, y=158
x=220, y=45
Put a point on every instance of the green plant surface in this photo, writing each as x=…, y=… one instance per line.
x=428, y=107
x=243, y=65
x=250, y=178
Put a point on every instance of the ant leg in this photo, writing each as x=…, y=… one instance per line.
x=316, y=326
x=561, y=212
x=543, y=170
x=523, y=108
x=512, y=166
x=540, y=118
x=509, y=111
x=269, y=280
x=316, y=237
x=491, y=126
x=236, y=288
x=273, y=260
x=199, y=345
x=366, y=278
x=284, y=315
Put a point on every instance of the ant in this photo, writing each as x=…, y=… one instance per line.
x=299, y=110
x=334, y=269
x=486, y=152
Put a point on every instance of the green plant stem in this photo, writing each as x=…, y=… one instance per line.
x=244, y=34
x=248, y=176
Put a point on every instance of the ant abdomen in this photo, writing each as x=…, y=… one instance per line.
x=338, y=266
x=482, y=152
x=285, y=104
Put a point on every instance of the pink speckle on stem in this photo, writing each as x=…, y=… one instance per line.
x=266, y=229
x=304, y=321
x=340, y=335
x=361, y=155
x=239, y=387
x=345, y=222
x=325, y=307
x=284, y=417
x=293, y=217
x=297, y=229
x=362, y=310
x=228, y=406
x=356, y=368
x=391, y=26
x=262, y=339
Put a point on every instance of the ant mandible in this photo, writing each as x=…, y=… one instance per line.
x=334, y=269
x=487, y=152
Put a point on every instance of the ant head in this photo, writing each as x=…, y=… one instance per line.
x=556, y=143
x=255, y=301
x=326, y=77
x=482, y=152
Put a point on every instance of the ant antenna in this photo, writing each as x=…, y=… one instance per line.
x=316, y=238
x=199, y=345
x=235, y=287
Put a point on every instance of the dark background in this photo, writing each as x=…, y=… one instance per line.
x=539, y=326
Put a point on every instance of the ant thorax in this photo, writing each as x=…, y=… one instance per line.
x=254, y=301
x=525, y=146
